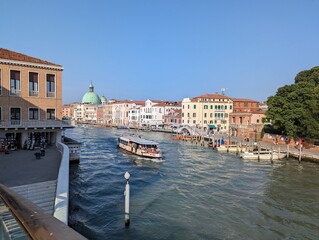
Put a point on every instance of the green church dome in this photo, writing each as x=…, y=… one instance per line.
x=91, y=96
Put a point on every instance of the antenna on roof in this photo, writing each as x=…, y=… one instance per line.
x=223, y=91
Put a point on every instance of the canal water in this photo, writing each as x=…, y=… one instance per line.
x=194, y=193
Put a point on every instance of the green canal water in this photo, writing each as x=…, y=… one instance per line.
x=194, y=193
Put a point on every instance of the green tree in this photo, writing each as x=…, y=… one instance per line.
x=294, y=110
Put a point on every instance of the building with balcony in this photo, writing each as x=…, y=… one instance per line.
x=30, y=99
x=208, y=111
x=152, y=113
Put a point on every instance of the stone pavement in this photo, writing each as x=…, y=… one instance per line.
x=21, y=167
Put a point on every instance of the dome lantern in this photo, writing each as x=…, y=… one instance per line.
x=91, y=96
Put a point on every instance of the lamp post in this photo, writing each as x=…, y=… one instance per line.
x=127, y=200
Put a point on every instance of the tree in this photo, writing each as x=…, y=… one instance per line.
x=294, y=110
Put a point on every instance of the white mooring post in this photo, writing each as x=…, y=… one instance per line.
x=127, y=200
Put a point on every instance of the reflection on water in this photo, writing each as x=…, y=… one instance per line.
x=195, y=193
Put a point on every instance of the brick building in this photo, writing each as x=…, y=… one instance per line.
x=246, y=119
x=30, y=99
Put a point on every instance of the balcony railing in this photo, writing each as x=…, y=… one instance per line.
x=33, y=93
x=15, y=122
x=51, y=94
x=15, y=92
x=34, y=124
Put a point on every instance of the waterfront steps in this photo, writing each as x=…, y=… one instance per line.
x=42, y=194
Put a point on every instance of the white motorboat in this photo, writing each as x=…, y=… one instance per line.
x=263, y=155
x=139, y=146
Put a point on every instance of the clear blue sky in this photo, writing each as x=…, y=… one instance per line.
x=168, y=49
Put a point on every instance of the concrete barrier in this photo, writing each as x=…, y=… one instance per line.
x=61, y=204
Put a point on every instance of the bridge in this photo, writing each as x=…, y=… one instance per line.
x=188, y=130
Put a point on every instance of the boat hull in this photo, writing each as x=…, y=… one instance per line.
x=140, y=152
x=262, y=156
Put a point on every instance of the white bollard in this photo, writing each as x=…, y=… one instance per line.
x=127, y=200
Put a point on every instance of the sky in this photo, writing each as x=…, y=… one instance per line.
x=167, y=49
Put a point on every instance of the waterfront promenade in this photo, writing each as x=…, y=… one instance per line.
x=21, y=167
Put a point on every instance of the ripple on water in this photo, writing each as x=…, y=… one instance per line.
x=195, y=193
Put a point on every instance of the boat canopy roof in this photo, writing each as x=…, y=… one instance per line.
x=138, y=140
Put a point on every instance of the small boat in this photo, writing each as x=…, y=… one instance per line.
x=263, y=155
x=227, y=148
x=123, y=127
x=139, y=146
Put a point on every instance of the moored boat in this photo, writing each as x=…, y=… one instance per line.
x=139, y=146
x=228, y=148
x=263, y=155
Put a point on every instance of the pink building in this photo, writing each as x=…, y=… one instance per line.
x=173, y=117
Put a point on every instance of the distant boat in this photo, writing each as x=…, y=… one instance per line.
x=263, y=155
x=122, y=127
x=228, y=148
x=139, y=146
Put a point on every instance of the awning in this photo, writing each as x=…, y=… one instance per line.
x=212, y=127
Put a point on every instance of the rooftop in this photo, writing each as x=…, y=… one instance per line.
x=12, y=55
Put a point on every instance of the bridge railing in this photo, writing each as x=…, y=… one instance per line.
x=33, y=222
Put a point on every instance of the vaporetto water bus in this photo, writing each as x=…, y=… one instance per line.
x=140, y=146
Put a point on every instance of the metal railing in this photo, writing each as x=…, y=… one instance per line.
x=15, y=92
x=34, y=123
x=34, y=222
x=51, y=94
x=33, y=93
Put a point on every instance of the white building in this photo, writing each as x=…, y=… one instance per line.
x=121, y=111
x=152, y=114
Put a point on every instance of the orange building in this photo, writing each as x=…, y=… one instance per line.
x=68, y=110
x=246, y=119
x=245, y=105
x=30, y=99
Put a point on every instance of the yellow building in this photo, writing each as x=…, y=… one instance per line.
x=208, y=111
x=30, y=99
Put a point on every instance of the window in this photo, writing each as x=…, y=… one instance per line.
x=205, y=115
x=211, y=106
x=182, y=114
x=245, y=104
x=50, y=85
x=187, y=114
x=15, y=87
x=194, y=106
x=15, y=116
x=33, y=84
x=33, y=114
x=194, y=114
x=205, y=106
x=50, y=114
x=188, y=106
x=194, y=121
